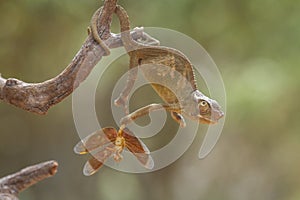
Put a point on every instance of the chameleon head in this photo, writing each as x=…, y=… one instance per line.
x=210, y=110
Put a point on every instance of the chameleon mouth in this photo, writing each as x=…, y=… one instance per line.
x=213, y=120
x=204, y=120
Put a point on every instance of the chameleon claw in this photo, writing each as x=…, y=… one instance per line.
x=179, y=119
x=120, y=101
x=122, y=104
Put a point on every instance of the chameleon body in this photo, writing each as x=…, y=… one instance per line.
x=171, y=75
x=194, y=104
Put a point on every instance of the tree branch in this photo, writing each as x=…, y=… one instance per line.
x=39, y=97
x=12, y=185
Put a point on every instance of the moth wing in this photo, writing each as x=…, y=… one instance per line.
x=138, y=148
x=96, y=162
x=97, y=139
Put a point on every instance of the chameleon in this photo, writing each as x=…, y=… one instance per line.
x=177, y=88
x=194, y=105
x=92, y=29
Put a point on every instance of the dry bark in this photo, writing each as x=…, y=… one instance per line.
x=12, y=185
x=39, y=97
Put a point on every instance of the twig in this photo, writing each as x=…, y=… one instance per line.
x=12, y=185
x=39, y=97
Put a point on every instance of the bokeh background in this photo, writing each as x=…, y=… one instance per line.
x=256, y=46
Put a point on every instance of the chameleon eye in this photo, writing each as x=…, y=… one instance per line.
x=203, y=103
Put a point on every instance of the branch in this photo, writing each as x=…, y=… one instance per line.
x=39, y=97
x=12, y=185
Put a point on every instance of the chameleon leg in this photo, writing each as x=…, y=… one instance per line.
x=93, y=30
x=178, y=118
x=146, y=110
x=122, y=100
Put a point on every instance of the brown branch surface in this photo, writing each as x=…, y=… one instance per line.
x=12, y=185
x=39, y=97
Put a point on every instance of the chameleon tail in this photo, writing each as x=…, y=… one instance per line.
x=127, y=40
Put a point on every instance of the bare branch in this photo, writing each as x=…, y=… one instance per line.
x=12, y=185
x=39, y=97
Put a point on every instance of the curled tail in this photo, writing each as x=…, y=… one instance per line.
x=127, y=40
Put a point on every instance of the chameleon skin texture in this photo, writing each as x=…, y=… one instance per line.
x=185, y=99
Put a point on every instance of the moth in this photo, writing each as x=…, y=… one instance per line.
x=110, y=143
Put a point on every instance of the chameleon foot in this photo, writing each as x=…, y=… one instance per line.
x=178, y=118
x=122, y=102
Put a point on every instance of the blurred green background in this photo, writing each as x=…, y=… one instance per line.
x=256, y=46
